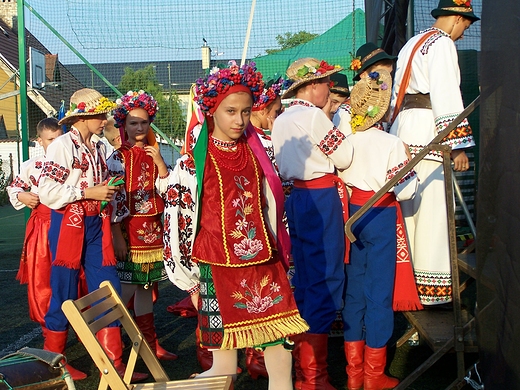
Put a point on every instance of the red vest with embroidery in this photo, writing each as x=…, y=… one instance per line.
x=232, y=227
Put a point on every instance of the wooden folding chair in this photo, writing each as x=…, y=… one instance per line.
x=99, y=309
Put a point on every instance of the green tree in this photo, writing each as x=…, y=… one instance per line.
x=288, y=40
x=170, y=118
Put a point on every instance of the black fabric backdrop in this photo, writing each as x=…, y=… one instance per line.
x=498, y=200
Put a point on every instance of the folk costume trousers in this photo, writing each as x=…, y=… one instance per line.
x=368, y=314
x=318, y=248
x=64, y=281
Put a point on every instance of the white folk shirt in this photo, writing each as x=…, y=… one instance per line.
x=70, y=168
x=306, y=143
x=27, y=180
x=378, y=157
x=434, y=70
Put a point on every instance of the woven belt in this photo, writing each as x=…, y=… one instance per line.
x=417, y=100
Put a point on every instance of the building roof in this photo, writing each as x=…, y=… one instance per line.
x=62, y=85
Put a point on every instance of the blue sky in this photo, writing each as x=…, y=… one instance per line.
x=163, y=30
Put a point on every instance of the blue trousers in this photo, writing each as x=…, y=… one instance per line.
x=316, y=229
x=64, y=281
x=368, y=314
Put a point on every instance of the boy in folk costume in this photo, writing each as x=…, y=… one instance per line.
x=339, y=99
x=35, y=262
x=426, y=98
x=73, y=183
x=378, y=156
x=137, y=210
x=224, y=240
x=308, y=149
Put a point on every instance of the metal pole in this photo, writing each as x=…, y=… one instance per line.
x=410, y=25
x=248, y=33
x=23, y=79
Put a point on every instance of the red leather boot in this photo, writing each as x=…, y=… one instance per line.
x=55, y=341
x=110, y=340
x=255, y=363
x=146, y=324
x=313, y=361
x=354, y=352
x=298, y=375
x=375, y=363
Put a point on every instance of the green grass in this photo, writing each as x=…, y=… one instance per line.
x=177, y=334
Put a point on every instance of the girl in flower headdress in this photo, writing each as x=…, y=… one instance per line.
x=224, y=240
x=137, y=210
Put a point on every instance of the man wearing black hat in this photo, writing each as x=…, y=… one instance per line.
x=426, y=98
x=368, y=58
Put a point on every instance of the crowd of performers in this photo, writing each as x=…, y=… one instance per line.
x=250, y=220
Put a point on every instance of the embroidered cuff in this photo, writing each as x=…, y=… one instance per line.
x=194, y=290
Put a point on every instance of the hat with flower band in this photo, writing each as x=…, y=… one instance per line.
x=369, y=100
x=366, y=56
x=86, y=102
x=220, y=82
x=455, y=7
x=272, y=89
x=132, y=100
x=305, y=70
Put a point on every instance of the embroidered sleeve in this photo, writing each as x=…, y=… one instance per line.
x=54, y=190
x=21, y=183
x=406, y=187
x=116, y=167
x=331, y=141
x=180, y=221
x=445, y=95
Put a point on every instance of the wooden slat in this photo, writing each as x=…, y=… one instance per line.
x=98, y=309
x=92, y=297
x=211, y=383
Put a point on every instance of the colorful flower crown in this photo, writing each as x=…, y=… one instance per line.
x=103, y=105
x=219, y=80
x=131, y=101
x=359, y=119
x=272, y=89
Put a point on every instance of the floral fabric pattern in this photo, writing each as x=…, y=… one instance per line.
x=253, y=298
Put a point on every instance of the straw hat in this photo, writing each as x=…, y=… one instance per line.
x=306, y=70
x=455, y=7
x=86, y=102
x=369, y=100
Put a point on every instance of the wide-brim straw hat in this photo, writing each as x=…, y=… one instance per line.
x=369, y=99
x=305, y=70
x=86, y=102
x=455, y=7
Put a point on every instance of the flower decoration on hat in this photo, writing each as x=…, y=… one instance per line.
x=132, y=100
x=355, y=64
x=220, y=80
x=465, y=3
x=103, y=105
x=311, y=71
x=365, y=114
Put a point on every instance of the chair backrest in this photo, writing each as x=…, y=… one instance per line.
x=102, y=307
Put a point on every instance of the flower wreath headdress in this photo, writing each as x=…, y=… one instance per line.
x=272, y=89
x=219, y=80
x=369, y=100
x=132, y=100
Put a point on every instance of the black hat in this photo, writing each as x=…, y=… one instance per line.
x=369, y=54
x=455, y=7
x=340, y=84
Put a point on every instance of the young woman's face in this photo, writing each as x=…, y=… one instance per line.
x=137, y=123
x=96, y=123
x=232, y=116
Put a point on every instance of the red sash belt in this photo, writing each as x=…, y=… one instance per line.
x=405, y=296
x=72, y=234
x=328, y=181
x=360, y=197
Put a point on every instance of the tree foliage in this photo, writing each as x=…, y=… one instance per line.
x=288, y=40
x=170, y=118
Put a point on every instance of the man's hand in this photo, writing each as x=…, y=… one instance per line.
x=460, y=160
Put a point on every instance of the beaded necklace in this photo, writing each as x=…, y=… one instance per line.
x=229, y=154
